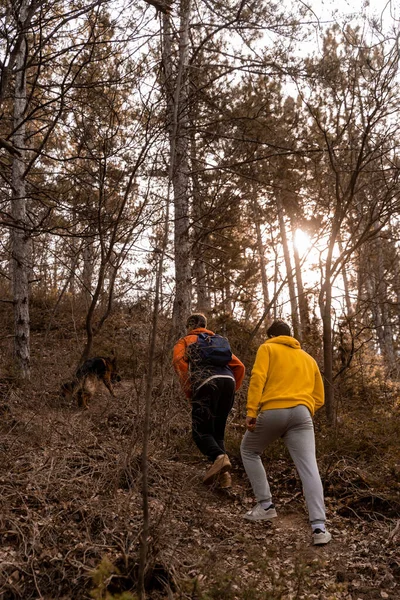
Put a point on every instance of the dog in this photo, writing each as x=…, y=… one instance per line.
x=88, y=376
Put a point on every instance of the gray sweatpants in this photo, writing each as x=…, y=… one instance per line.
x=296, y=428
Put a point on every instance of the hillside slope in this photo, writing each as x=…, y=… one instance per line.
x=70, y=516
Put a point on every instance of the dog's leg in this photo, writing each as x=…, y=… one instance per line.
x=80, y=399
x=108, y=384
x=67, y=390
x=88, y=387
x=85, y=399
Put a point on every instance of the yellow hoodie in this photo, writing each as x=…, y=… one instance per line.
x=284, y=376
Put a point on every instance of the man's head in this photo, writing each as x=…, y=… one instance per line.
x=278, y=327
x=196, y=320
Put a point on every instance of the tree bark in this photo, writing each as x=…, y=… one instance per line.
x=261, y=250
x=289, y=271
x=145, y=533
x=349, y=309
x=383, y=298
x=178, y=116
x=325, y=303
x=304, y=327
x=203, y=302
x=396, y=286
x=19, y=237
x=87, y=271
x=144, y=536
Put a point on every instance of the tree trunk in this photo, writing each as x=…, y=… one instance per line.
x=328, y=354
x=286, y=254
x=178, y=115
x=373, y=303
x=144, y=536
x=203, y=303
x=145, y=533
x=276, y=275
x=19, y=238
x=396, y=286
x=325, y=303
x=73, y=259
x=87, y=272
x=383, y=297
x=349, y=308
x=261, y=250
x=362, y=291
x=228, y=304
x=304, y=327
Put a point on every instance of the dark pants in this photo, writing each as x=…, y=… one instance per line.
x=211, y=406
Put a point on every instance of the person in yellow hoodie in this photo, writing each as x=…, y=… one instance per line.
x=285, y=391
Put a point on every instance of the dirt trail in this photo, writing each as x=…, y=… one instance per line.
x=233, y=559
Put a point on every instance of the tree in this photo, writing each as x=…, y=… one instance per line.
x=20, y=246
x=352, y=97
x=176, y=89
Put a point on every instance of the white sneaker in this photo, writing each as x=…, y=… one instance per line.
x=258, y=513
x=321, y=537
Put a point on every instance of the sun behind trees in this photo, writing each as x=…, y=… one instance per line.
x=158, y=158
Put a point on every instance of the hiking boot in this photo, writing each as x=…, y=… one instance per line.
x=225, y=480
x=321, y=537
x=258, y=513
x=220, y=465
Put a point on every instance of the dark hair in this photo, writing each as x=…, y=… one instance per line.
x=278, y=327
x=196, y=320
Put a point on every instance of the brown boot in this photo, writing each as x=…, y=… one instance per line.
x=219, y=466
x=225, y=480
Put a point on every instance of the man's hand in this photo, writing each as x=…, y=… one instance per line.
x=251, y=423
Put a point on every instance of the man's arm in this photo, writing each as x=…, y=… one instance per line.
x=319, y=392
x=181, y=366
x=257, y=381
x=238, y=370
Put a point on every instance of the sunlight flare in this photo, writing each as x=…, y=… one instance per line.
x=302, y=241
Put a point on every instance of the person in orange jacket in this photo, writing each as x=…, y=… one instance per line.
x=211, y=389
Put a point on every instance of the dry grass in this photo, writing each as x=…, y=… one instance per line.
x=71, y=513
x=70, y=497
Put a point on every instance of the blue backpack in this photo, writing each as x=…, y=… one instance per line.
x=211, y=350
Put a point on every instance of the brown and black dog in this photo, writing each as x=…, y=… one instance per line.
x=88, y=376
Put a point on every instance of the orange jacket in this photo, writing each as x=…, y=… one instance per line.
x=181, y=361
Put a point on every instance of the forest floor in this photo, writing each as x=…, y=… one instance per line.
x=71, y=512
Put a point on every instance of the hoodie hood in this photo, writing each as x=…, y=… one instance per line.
x=286, y=340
